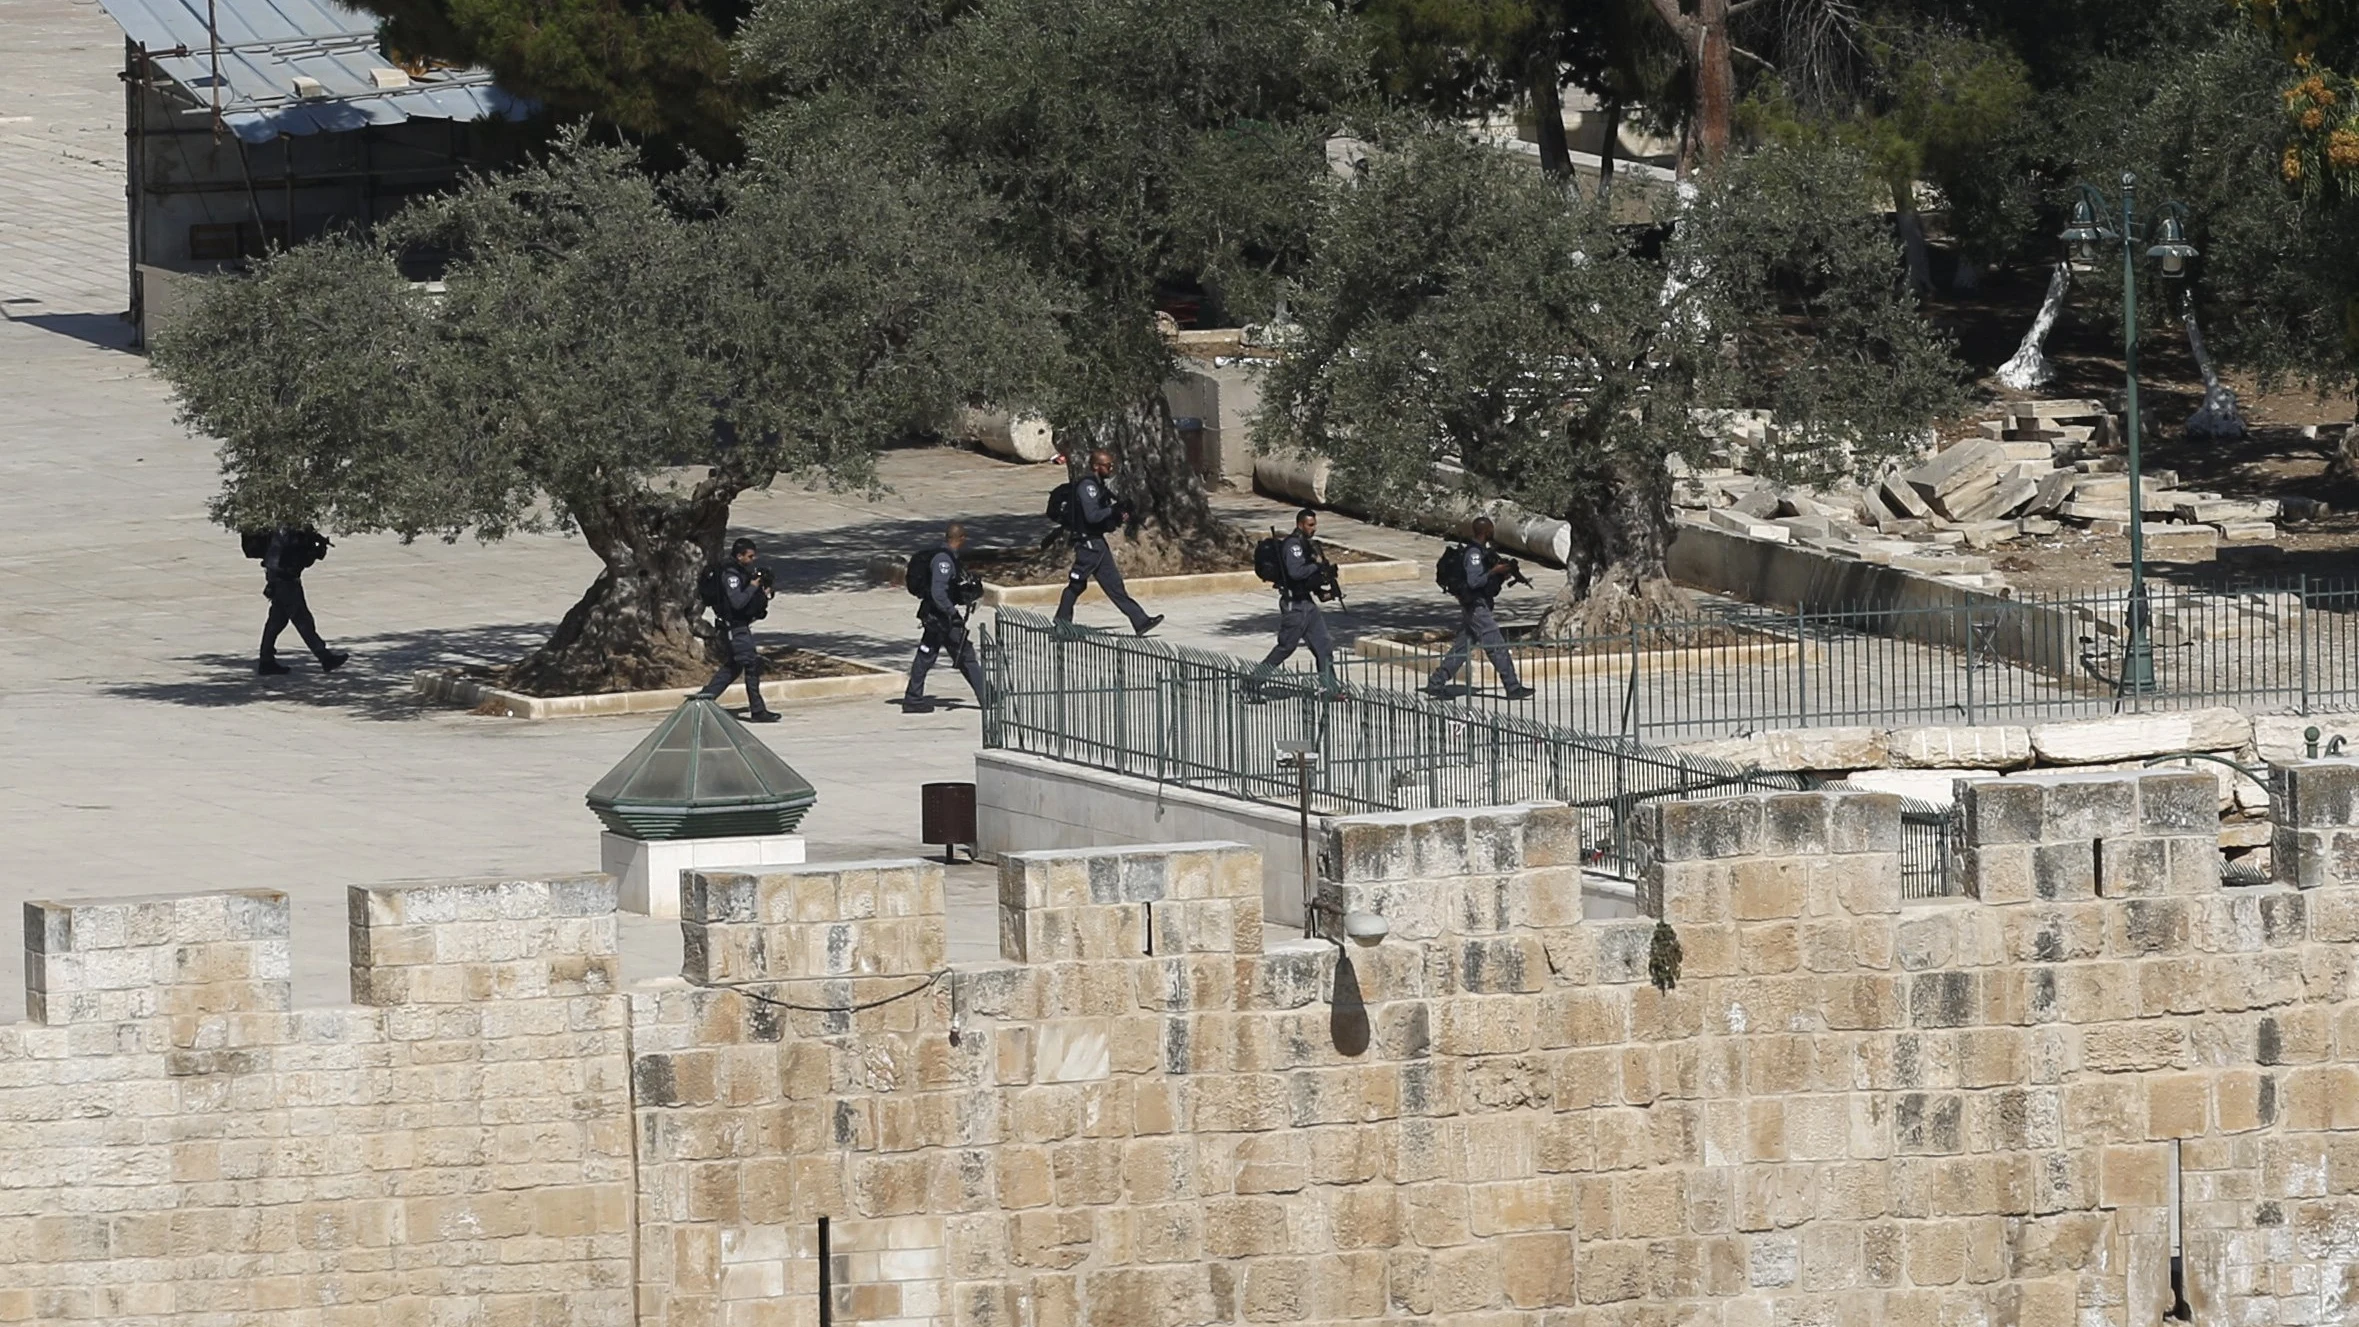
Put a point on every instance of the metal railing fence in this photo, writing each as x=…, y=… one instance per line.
x=1978, y=659
x=1183, y=717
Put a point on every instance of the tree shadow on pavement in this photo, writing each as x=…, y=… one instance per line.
x=838, y=560
x=1408, y=611
x=374, y=685
x=883, y=651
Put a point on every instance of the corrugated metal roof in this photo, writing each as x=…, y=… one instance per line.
x=265, y=45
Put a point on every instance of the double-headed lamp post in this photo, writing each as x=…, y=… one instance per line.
x=2092, y=226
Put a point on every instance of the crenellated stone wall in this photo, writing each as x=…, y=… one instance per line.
x=2018, y=1106
x=178, y=1146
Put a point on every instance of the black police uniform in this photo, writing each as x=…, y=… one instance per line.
x=744, y=604
x=283, y=564
x=1098, y=511
x=1476, y=623
x=944, y=629
x=1299, y=619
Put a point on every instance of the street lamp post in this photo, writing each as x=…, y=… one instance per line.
x=2090, y=228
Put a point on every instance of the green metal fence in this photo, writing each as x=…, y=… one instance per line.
x=1977, y=659
x=1181, y=717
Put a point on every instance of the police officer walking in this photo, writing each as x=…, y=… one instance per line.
x=940, y=611
x=739, y=595
x=1097, y=511
x=1301, y=576
x=1485, y=574
x=284, y=559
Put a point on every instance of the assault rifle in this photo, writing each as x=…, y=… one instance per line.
x=1326, y=582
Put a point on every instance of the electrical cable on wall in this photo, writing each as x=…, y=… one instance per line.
x=928, y=983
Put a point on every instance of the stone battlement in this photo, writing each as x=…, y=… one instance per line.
x=2011, y=1106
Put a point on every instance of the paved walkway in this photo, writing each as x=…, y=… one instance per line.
x=139, y=754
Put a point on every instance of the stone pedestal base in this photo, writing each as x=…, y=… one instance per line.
x=648, y=871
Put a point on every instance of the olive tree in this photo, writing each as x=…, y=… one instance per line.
x=1464, y=309
x=1126, y=146
x=612, y=353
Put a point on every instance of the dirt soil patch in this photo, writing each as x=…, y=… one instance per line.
x=779, y=663
x=1153, y=556
x=2273, y=460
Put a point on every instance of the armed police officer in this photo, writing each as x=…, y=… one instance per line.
x=1303, y=578
x=1475, y=581
x=1098, y=511
x=286, y=554
x=739, y=594
x=945, y=596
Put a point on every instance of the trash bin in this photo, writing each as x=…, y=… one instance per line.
x=948, y=815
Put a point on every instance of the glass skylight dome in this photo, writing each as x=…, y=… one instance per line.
x=701, y=775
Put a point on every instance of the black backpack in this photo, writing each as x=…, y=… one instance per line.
x=711, y=592
x=1269, y=558
x=256, y=543
x=1450, y=572
x=919, y=579
x=299, y=550
x=1062, y=506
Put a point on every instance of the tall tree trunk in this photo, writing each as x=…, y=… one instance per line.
x=1547, y=90
x=1715, y=71
x=1619, y=573
x=1912, y=238
x=1608, y=147
x=2219, y=418
x=634, y=628
x=1711, y=67
x=2028, y=367
x=1152, y=473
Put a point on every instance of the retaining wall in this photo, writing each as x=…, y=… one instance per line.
x=2043, y=639
x=1026, y=802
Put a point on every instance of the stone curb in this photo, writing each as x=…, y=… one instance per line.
x=445, y=688
x=1388, y=650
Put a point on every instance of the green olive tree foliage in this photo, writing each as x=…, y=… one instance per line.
x=1453, y=57
x=1925, y=103
x=611, y=353
x=650, y=69
x=2207, y=121
x=1124, y=145
x=1464, y=309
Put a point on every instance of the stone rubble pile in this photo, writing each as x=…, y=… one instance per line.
x=2039, y=468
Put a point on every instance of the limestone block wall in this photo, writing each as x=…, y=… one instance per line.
x=176, y=1146
x=2066, y=837
x=2107, y=1082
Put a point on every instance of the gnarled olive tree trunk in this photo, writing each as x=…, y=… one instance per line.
x=1619, y=575
x=1167, y=496
x=634, y=629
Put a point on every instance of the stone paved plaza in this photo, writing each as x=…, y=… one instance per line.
x=138, y=753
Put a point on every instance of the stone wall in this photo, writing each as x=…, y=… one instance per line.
x=178, y=1146
x=2005, y=1109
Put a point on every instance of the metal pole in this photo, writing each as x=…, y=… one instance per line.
x=135, y=90
x=2302, y=630
x=1310, y=879
x=1971, y=719
x=1121, y=716
x=213, y=52
x=1630, y=697
x=1801, y=667
x=2137, y=668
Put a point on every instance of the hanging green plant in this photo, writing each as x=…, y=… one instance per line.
x=1662, y=957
